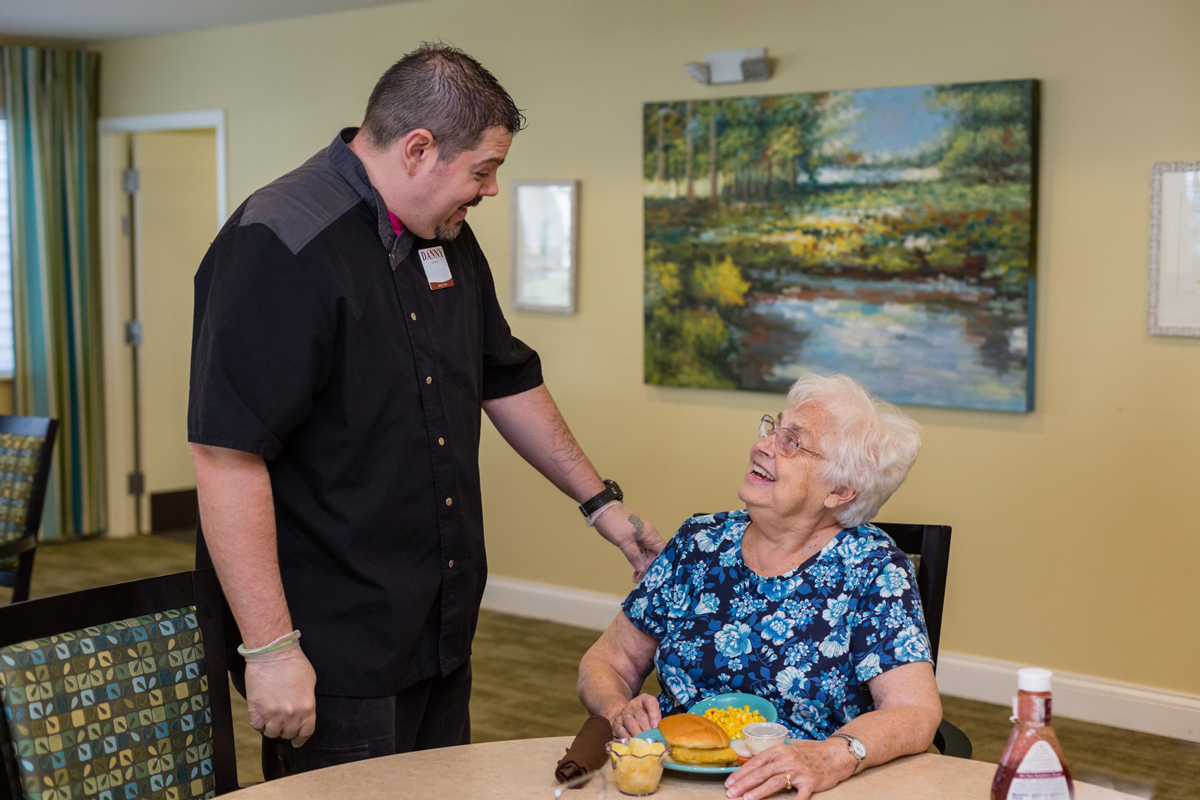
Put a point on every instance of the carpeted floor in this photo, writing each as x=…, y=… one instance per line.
x=525, y=682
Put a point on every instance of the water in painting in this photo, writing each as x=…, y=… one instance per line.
x=884, y=233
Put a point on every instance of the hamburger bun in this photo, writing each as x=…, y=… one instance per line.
x=696, y=740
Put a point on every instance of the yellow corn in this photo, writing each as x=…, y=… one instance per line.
x=732, y=719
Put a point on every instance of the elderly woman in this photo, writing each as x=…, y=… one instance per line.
x=797, y=599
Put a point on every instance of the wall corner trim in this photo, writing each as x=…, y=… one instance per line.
x=1082, y=697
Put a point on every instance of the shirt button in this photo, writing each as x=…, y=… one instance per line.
x=451, y=564
x=441, y=441
x=428, y=380
x=414, y=316
x=449, y=501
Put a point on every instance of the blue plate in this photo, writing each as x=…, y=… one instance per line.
x=732, y=699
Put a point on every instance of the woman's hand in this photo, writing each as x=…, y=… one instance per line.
x=639, y=714
x=805, y=767
x=612, y=671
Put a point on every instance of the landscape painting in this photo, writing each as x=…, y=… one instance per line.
x=884, y=233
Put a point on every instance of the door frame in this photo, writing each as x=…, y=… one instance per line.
x=116, y=294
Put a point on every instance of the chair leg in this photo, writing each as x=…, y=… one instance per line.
x=24, y=577
x=950, y=741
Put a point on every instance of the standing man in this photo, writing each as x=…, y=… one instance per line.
x=346, y=336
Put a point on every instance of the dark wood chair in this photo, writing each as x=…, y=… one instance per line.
x=26, y=444
x=119, y=691
x=929, y=548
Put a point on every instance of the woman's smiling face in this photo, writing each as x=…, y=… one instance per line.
x=792, y=486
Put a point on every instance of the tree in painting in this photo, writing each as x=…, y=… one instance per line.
x=885, y=233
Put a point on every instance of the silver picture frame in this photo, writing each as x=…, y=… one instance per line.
x=1175, y=249
x=545, y=245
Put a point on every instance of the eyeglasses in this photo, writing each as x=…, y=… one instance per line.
x=787, y=441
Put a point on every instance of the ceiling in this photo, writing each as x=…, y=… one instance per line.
x=92, y=20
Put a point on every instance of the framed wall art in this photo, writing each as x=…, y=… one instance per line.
x=545, y=245
x=885, y=233
x=1175, y=249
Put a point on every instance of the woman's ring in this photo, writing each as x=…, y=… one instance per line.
x=787, y=776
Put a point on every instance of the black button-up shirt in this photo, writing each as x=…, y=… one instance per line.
x=319, y=345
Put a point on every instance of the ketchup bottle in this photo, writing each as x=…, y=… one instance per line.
x=1033, y=767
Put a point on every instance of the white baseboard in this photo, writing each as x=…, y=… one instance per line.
x=1082, y=697
x=576, y=607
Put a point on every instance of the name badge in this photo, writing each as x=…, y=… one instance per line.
x=437, y=268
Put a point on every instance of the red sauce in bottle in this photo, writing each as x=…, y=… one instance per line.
x=1033, y=767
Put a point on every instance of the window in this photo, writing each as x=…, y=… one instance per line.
x=6, y=298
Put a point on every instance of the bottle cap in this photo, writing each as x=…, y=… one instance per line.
x=1033, y=679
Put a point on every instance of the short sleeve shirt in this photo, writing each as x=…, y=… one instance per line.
x=320, y=345
x=807, y=641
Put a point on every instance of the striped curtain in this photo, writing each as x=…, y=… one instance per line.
x=50, y=99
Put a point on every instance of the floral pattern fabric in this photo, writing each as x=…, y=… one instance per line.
x=808, y=641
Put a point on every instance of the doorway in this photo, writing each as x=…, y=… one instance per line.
x=162, y=203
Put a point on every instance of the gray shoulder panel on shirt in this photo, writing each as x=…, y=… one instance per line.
x=302, y=203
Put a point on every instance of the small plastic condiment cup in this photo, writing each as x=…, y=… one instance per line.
x=638, y=776
x=760, y=736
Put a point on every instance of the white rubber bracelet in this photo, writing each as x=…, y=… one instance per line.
x=596, y=515
x=278, y=644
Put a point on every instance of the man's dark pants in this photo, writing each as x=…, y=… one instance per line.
x=432, y=713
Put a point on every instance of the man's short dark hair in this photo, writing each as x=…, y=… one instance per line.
x=444, y=90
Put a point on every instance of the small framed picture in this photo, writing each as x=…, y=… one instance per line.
x=545, y=245
x=1175, y=249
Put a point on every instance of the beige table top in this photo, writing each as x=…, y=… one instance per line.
x=525, y=768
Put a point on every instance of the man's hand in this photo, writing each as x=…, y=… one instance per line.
x=636, y=538
x=532, y=424
x=237, y=509
x=639, y=714
x=279, y=691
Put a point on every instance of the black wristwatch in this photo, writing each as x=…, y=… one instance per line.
x=611, y=492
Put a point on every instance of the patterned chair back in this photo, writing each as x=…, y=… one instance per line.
x=20, y=463
x=114, y=711
x=26, y=445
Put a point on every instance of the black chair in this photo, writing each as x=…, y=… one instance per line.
x=26, y=444
x=119, y=691
x=929, y=548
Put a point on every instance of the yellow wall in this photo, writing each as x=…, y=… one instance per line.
x=1076, y=542
x=177, y=193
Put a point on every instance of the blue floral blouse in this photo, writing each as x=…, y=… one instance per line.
x=807, y=641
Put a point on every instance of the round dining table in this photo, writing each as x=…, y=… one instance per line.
x=525, y=768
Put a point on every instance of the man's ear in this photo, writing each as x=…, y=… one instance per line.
x=417, y=148
x=840, y=497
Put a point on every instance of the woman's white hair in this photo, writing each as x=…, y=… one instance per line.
x=869, y=445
